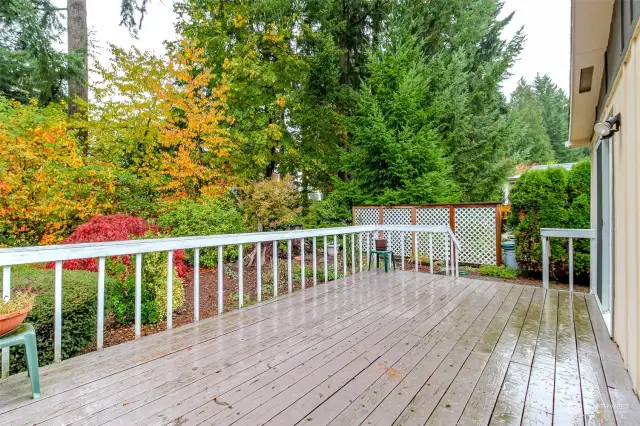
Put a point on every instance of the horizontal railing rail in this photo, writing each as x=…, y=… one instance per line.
x=57, y=254
x=571, y=234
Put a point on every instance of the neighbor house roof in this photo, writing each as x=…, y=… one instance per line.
x=521, y=169
x=590, y=26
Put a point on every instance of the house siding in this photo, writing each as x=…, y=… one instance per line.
x=624, y=98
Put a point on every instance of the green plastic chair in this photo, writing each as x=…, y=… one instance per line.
x=386, y=254
x=26, y=335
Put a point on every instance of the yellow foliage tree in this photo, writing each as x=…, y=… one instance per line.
x=46, y=187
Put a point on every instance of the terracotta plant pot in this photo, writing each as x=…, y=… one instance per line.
x=381, y=244
x=10, y=322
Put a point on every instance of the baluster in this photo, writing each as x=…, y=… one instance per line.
x=138, y=302
x=100, y=313
x=446, y=254
x=368, y=250
x=275, y=268
x=353, y=254
x=402, y=250
x=220, y=282
x=571, y=264
x=335, y=257
x=240, y=276
x=546, y=251
x=169, y=289
x=315, y=267
x=57, y=308
x=417, y=252
x=302, y=277
x=290, y=273
x=259, y=271
x=430, y=253
x=360, y=249
x=6, y=292
x=344, y=255
x=326, y=268
x=196, y=285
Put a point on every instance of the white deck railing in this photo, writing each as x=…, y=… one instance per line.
x=59, y=253
x=571, y=234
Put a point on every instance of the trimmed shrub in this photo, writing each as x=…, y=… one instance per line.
x=552, y=198
x=79, y=306
x=498, y=271
x=272, y=204
x=154, y=289
x=328, y=213
x=208, y=216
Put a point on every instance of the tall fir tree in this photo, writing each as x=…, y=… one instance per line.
x=530, y=142
x=396, y=155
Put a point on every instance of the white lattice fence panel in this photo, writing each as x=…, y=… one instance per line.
x=367, y=216
x=436, y=216
x=397, y=217
x=476, y=230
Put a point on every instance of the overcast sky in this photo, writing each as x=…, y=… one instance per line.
x=546, y=23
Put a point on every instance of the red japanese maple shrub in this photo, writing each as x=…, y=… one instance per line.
x=118, y=227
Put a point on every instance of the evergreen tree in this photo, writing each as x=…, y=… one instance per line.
x=529, y=141
x=468, y=60
x=555, y=113
x=30, y=65
x=396, y=155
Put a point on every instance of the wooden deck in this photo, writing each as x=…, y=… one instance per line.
x=400, y=348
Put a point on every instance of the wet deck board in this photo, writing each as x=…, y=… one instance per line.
x=399, y=348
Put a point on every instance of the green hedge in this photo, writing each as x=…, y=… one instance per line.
x=552, y=198
x=208, y=216
x=79, y=307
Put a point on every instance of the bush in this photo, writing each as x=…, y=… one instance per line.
x=552, y=198
x=79, y=306
x=118, y=227
x=328, y=213
x=272, y=204
x=154, y=289
x=498, y=271
x=208, y=216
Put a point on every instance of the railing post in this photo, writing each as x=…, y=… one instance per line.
x=138, y=296
x=571, y=264
x=335, y=257
x=6, y=293
x=545, y=262
x=344, y=255
x=368, y=250
x=290, y=273
x=259, y=270
x=430, y=253
x=220, y=282
x=240, y=276
x=315, y=266
x=100, y=313
x=402, y=250
x=417, y=251
x=353, y=254
x=360, y=249
x=169, y=289
x=446, y=254
x=57, y=333
x=196, y=285
x=326, y=268
x=302, y=277
x=275, y=269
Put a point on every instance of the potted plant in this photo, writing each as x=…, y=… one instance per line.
x=13, y=311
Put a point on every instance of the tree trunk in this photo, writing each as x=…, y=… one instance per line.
x=78, y=43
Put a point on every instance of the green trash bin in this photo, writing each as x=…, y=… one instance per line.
x=509, y=254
